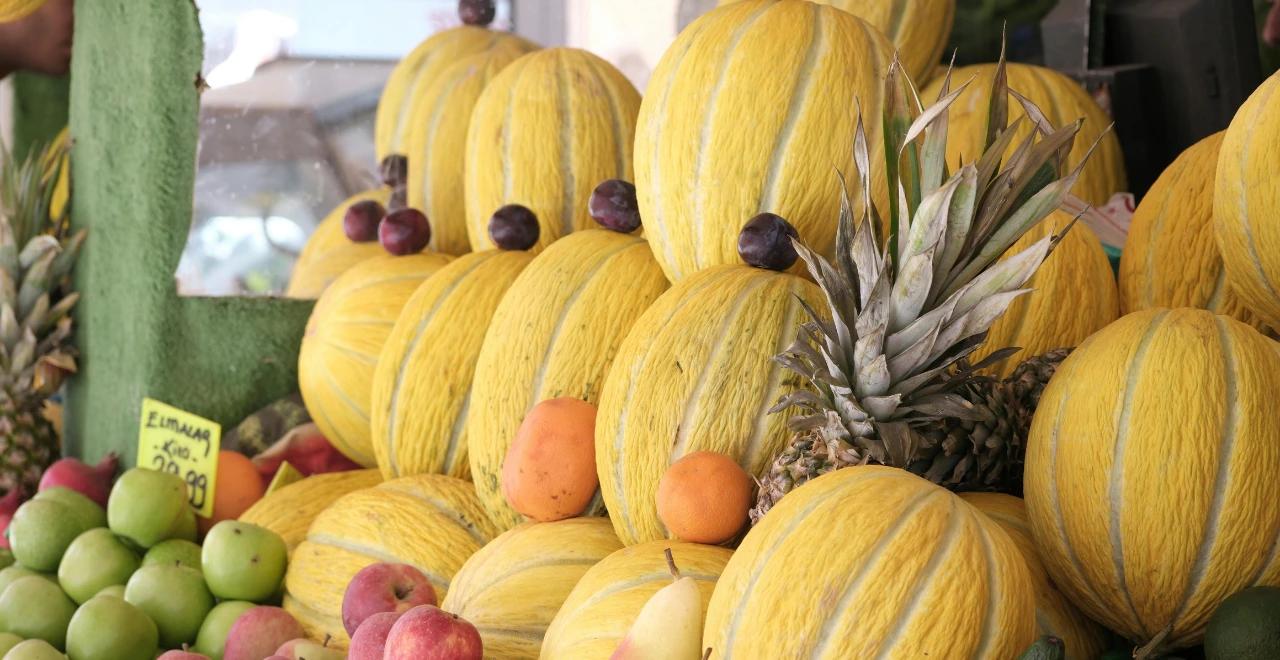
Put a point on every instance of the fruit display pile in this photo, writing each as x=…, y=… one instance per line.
x=806, y=353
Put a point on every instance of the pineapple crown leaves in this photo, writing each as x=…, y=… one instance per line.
x=905, y=315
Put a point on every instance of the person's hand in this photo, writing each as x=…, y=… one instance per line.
x=1271, y=29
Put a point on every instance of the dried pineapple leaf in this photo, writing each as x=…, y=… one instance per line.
x=998, y=110
x=873, y=379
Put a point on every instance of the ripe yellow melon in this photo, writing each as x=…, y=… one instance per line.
x=1170, y=257
x=290, y=510
x=328, y=253
x=545, y=132
x=422, y=386
x=919, y=29
x=343, y=339
x=697, y=373
x=1246, y=203
x=605, y=602
x=1062, y=101
x=1055, y=615
x=438, y=141
x=748, y=111
x=554, y=335
x=431, y=522
x=414, y=74
x=1150, y=471
x=512, y=588
x=1073, y=295
x=870, y=562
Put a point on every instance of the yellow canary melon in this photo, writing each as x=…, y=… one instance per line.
x=919, y=29
x=1073, y=295
x=748, y=111
x=1170, y=258
x=512, y=588
x=1150, y=472
x=1061, y=99
x=343, y=339
x=554, y=335
x=1055, y=615
x=1246, y=203
x=697, y=373
x=290, y=510
x=328, y=252
x=605, y=602
x=873, y=562
x=438, y=141
x=431, y=522
x=422, y=386
x=545, y=132
x=413, y=75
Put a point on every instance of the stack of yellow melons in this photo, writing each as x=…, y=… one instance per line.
x=290, y=510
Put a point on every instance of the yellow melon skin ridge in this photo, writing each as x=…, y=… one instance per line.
x=696, y=373
x=545, y=132
x=748, y=111
x=1055, y=615
x=422, y=387
x=1150, y=472
x=343, y=340
x=290, y=511
x=512, y=588
x=438, y=139
x=554, y=334
x=869, y=562
x=1073, y=295
x=328, y=253
x=431, y=522
x=605, y=602
x=1246, y=203
x=1062, y=101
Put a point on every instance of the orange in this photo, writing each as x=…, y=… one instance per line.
x=237, y=487
x=704, y=498
x=550, y=470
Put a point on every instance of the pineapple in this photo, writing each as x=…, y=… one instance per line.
x=886, y=371
x=37, y=254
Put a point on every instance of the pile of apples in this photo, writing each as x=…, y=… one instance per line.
x=390, y=612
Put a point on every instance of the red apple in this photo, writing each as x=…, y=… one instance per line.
x=427, y=632
x=258, y=632
x=182, y=655
x=305, y=649
x=384, y=588
x=370, y=640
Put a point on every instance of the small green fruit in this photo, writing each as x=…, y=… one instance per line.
x=147, y=507
x=243, y=561
x=6, y=559
x=40, y=532
x=174, y=551
x=35, y=608
x=90, y=514
x=108, y=628
x=9, y=574
x=1245, y=626
x=34, y=649
x=94, y=561
x=212, y=639
x=8, y=641
x=116, y=590
x=176, y=599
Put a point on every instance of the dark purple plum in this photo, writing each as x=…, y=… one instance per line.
x=765, y=242
x=476, y=12
x=613, y=204
x=514, y=227
x=404, y=232
x=361, y=220
x=394, y=170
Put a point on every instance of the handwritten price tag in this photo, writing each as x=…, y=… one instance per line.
x=178, y=442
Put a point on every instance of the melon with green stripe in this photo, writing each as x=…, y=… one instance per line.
x=554, y=335
x=873, y=562
x=605, y=602
x=1170, y=258
x=512, y=588
x=1055, y=615
x=1150, y=472
x=696, y=373
x=343, y=339
x=1246, y=202
x=290, y=511
x=328, y=253
x=749, y=111
x=422, y=386
x=544, y=133
x=919, y=29
x=431, y=522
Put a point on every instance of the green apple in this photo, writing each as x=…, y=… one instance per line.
x=40, y=532
x=11, y=573
x=35, y=608
x=34, y=649
x=88, y=511
x=94, y=561
x=109, y=628
x=6, y=559
x=116, y=590
x=147, y=507
x=174, y=551
x=185, y=528
x=213, y=632
x=8, y=641
x=175, y=597
x=243, y=561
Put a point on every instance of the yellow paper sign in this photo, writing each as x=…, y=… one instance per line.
x=178, y=442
